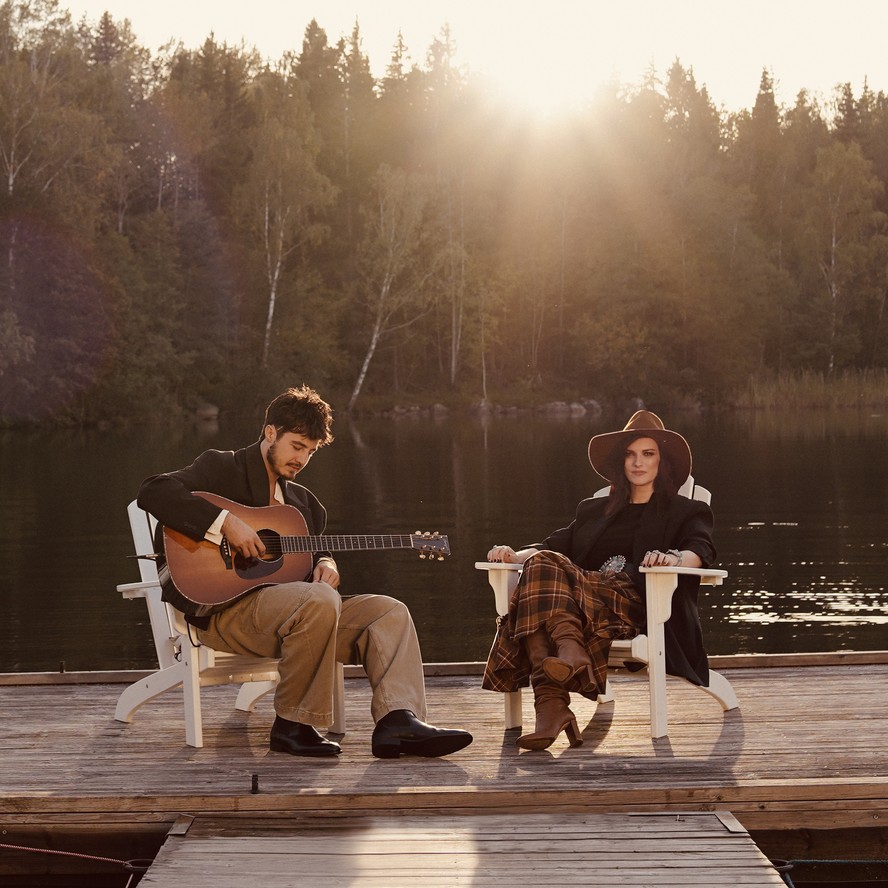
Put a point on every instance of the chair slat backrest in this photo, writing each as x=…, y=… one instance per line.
x=142, y=525
x=162, y=617
x=689, y=489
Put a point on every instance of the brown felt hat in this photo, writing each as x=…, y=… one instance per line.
x=605, y=451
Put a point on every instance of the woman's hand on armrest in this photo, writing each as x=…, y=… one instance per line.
x=508, y=555
x=671, y=558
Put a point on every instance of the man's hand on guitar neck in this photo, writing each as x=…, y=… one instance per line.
x=242, y=538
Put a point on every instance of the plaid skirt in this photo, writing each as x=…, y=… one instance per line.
x=610, y=607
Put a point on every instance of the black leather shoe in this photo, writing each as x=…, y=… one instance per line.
x=299, y=739
x=402, y=733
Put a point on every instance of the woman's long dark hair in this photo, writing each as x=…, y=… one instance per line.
x=664, y=484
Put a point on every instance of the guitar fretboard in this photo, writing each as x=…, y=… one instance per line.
x=353, y=542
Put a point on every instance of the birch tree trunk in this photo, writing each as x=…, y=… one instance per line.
x=285, y=190
x=394, y=261
x=365, y=366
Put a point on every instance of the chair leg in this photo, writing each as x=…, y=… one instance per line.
x=338, y=726
x=658, y=592
x=191, y=692
x=251, y=692
x=656, y=669
x=512, y=705
x=608, y=695
x=720, y=688
x=659, y=711
x=145, y=689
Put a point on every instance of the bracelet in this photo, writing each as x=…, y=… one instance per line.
x=677, y=554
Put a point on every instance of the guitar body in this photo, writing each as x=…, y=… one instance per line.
x=201, y=578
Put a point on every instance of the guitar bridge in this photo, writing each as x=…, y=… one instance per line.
x=225, y=552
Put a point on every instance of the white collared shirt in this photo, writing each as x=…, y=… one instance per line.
x=214, y=531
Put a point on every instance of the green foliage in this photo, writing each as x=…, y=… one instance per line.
x=202, y=226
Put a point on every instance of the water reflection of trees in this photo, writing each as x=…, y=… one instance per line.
x=818, y=424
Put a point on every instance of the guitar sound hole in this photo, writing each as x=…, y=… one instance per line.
x=252, y=568
x=272, y=542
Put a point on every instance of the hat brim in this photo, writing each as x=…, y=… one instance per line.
x=603, y=451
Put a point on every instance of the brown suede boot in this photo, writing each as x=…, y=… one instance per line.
x=573, y=660
x=550, y=702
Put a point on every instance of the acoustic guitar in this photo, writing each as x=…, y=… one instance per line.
x=200, y=577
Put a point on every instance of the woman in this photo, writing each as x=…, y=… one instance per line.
x=580, y=588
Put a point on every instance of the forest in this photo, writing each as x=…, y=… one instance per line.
x=184, y=227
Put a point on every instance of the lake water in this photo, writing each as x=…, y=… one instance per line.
x=800, y=505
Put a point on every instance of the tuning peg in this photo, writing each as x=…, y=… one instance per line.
x=422, y=555
x=417, y=533
x=440, y=557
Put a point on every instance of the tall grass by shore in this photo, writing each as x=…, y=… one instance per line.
x=853, y=388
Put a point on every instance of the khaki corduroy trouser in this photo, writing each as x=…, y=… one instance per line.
x=310, y=628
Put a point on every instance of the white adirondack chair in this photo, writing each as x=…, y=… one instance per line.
x=649, y=650
x=182, y=660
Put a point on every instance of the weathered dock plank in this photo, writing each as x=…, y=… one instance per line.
x=532, y=850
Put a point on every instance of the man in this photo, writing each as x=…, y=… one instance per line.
x=305, y=624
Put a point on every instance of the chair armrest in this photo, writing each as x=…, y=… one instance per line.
x=708, y=575
x=138, y=590
x=503, y=577
x=660, y=583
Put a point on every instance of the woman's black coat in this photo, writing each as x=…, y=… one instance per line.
x=668, y=523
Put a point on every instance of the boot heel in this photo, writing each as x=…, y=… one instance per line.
x=590, y=682
x=573, y=733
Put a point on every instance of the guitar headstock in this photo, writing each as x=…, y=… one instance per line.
x=430, y=545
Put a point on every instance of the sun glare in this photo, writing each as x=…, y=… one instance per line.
x=547, y=70
x=547, y=91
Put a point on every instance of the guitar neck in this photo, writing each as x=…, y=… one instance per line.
x=348, y=543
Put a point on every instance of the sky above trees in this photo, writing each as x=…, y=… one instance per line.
x=552, y=54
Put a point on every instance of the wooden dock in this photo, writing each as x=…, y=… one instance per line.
x=807, y=750
x=483, y=851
